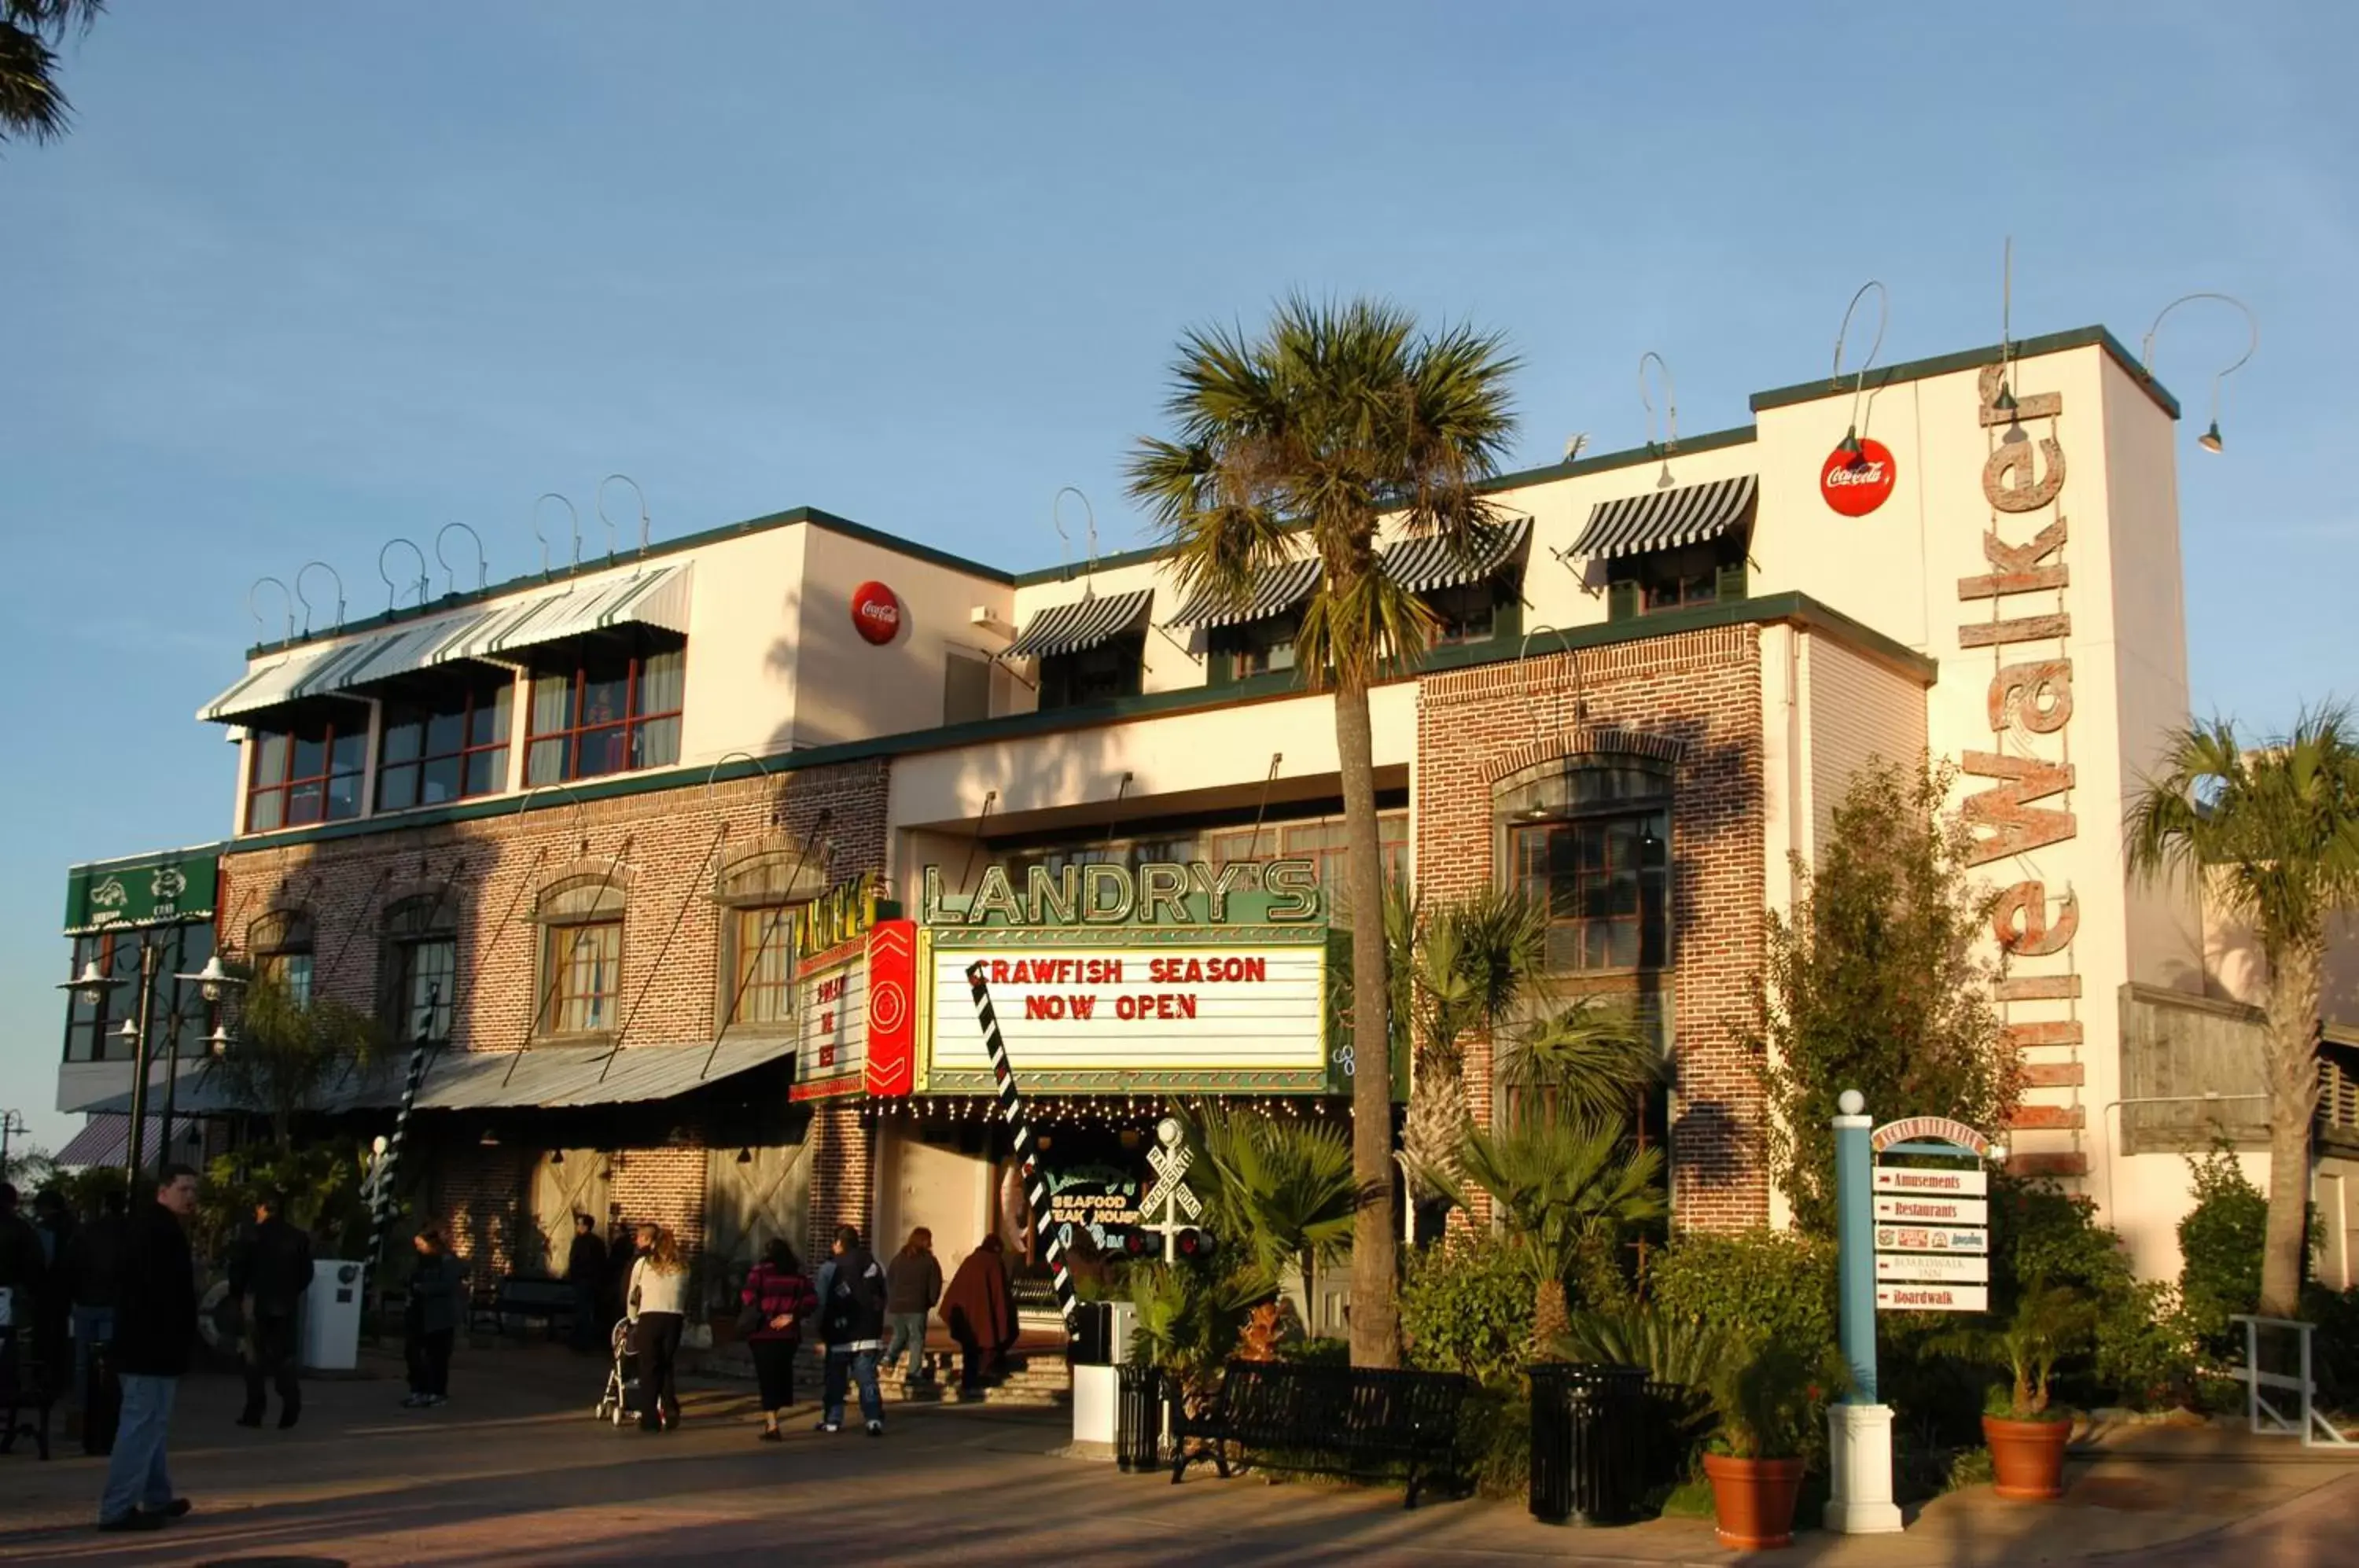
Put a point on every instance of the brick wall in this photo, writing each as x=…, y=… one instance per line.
x=658, y=849
x=1696, y=697
x=663, y=1186
x=478, y=1193
x=839, y=1182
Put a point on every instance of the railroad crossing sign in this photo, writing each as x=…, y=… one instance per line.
x=1170, y=1194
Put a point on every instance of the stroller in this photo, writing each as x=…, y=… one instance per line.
x=622, y=1403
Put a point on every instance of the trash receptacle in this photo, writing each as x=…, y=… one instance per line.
x=1138, y=1423
x=1588, y=1442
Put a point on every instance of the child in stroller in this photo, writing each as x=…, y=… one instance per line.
x=624, y=1400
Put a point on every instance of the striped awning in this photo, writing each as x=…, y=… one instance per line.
x=1083, y=623
x=105, y=1139
x=1274, y=593
x=1422, y=565
x=1665, y=519
x=655, y=598
x=269, y=685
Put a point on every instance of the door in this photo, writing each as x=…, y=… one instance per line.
x=750, y=1201
x=570, y=1181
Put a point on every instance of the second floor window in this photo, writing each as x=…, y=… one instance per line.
x=762, y=961
x=582, y=978
x=281, y=945
x=1466, y=614
x=1604, y=881
x=306, y=773
x=446, y=748
x=608, y=711
x=1111, y=670
x=422, y=969
x=1256, y=648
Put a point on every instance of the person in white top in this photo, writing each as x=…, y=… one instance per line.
x=658, y=1298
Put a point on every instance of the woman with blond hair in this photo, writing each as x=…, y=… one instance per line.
x=658, y=1298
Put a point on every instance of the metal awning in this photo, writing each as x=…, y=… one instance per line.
x=1665, y=519
x=1083, y=623
x=555, y=1076
x=1422, y=565
x=105, y=1139
x=269, y=686
x=388, y=654
x=656, y=598
x=1274, y=593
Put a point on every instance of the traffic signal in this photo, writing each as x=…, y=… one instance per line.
x=1138, y=1242
x=1196, y=1243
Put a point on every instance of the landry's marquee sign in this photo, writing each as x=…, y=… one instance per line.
x=1109, y=978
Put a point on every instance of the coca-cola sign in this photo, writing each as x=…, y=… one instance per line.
x=1857, y=483
x=876, y=613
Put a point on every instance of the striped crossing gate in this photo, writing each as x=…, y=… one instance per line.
x=1020, y=1121
x=382, y=1201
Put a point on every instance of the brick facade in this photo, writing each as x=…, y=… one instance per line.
x=1693, y=701
x=661, y=852
x=842, y=1146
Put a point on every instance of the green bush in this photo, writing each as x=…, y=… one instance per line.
x=2221, y=1242
x=1308, y=1351
x=2335, y=1348
x=1466, y=1306
x=1756, y=1285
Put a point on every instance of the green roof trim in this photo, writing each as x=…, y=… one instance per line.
x=1885, y=376
x=1797, y=609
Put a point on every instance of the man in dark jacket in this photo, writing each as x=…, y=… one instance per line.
x=154, y=1328
x=268, y=1276
x=24, y=1267
x=852, y=1325
x=93, y=1279
x=585, y=1271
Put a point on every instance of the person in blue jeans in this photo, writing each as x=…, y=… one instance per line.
x=154, y=1328
x=851, y=1326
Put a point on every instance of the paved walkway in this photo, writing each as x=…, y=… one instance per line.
x=515, y=1471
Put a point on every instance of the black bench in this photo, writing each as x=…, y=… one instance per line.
x=1346, y=1419
x=527, y=1296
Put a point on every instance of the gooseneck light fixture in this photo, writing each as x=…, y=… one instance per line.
x=2210, y=440
x=1670, y=442
x=1855, y=454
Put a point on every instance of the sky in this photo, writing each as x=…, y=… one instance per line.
x=305, y=278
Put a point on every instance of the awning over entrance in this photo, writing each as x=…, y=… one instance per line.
x=1665, y=519
x=1081, y=624
x=1277, y=592
x=1422, y=565
x=654, y=598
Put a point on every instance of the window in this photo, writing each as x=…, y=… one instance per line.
x=1256, y=648
x=1703, y=574
x=1099, y=674
x=762, y=967
x=309, y=772
x=1323, y=844
x=445, y=748
x=422, y=968
x=1466, y=614
x=281, y=945
x=583, y=972
x=1604, y=881
x=93, y=1025
x=607, y=713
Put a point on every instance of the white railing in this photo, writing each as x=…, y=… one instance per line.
x=2263, y=1415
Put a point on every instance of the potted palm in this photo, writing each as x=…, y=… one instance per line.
x=2025, y=1434
x=1769, y=1404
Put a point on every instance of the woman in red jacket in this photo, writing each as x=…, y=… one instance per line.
x=777, y=1300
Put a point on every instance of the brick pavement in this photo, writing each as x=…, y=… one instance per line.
x=513, y=1471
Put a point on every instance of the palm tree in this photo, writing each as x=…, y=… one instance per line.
x=1586, y=1063
x=30, y=103
x=1456, y=968
x=1286, y=1187
x=1560, y=1186
x=288, y=1049
x=1336, y=416
x=2273, y=833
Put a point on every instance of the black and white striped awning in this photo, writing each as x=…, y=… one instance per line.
x=1665, y=519
x=1083, y=623
x=1277, y=592
x=1422, y=565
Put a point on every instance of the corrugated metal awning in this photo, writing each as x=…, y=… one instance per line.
x=656, y=598
x=105, y=1139
x=1665, y=519
x=392, y=653
x=1083, y=623
x=273, y=685
x=1277, y=592
x=1422, y=565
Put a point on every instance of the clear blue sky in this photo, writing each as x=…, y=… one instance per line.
x=305, y=277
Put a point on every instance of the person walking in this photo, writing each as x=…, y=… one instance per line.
x=155, y=1327
x=851, y=1326
x=779, y=1301
x=430, y=1319
x=913, y=1283
x=269, y=1277
x=979, y=1309
x=93, y=1279
x=658, y=1296
x=24, y=1295
x=585, y=1271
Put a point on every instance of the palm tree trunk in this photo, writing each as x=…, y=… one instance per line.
x=2293, y=998
x=1375, y=1336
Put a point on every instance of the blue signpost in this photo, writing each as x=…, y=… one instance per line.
x=1859, y=1430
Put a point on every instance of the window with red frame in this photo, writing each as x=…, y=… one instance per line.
x=445, y=748
x=608, y=713
x=309, y=772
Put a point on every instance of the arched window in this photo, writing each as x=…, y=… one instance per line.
x=421, y=967
x=1588, y=838
x=280, y=942
x=761, y=895
x=580, y=981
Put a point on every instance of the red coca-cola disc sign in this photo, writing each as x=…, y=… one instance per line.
x=1858, y=485
x=876, y=613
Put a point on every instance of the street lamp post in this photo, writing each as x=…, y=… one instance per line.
x=212, y=982
x=10, y=1122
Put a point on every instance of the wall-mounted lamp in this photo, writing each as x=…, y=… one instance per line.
x=1855, y=456
x=557, y=1157
x=744, y=1156
x=2210, y=440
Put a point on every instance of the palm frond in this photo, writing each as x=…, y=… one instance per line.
x=1590, y=1061
x=1556, y=1182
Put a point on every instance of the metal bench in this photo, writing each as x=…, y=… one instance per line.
x=528, y=1297
x=1337, y=1419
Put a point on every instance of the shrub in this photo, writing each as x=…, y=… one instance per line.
x=1466, y=1306
x=1755, y=1285
x=2335, y=1348
x=2221, y=1242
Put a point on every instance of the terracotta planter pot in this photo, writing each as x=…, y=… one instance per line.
x=1754, y=1500
x=2027, y=1457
